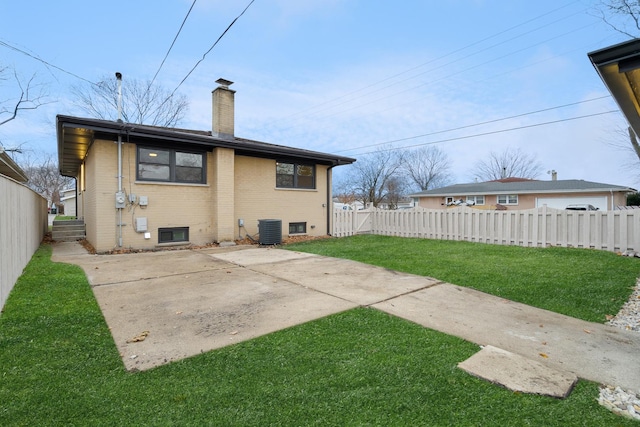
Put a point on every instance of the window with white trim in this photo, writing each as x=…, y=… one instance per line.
x=475, y=200
x=508, y=199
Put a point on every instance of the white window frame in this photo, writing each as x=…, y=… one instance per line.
x=509, y=199
x=477, y=200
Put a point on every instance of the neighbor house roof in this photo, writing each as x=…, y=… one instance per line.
x=619, y=69
x=75, y=135
x=9, y=168
x=522, y=187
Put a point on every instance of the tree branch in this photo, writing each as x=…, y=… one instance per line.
x=25, y=100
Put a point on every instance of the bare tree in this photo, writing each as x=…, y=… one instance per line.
x=371, y=176
x=510, y=163
x=396, y=189
x=44, y=177
x=142, y=102
x=26, y=95
x=621, y=15
x=625, y=140
x=347, y=197
x=427, y=167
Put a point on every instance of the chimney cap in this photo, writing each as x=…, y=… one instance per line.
x=224, y=82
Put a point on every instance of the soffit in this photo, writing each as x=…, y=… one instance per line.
x=75, y=136
x=619, y=69
x=73, y=144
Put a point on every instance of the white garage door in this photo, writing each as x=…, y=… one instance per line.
x=599, y=202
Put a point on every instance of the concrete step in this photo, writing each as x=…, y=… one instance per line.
x=68, y=230
x=62, y=233
x=68, y=222
x=70, y=227
x=64, y=237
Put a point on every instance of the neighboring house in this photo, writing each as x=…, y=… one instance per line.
x=355, y=206
x=144, y=187
x=519, y=193
x=404, y=203
x=68, y=200
x=409, y=203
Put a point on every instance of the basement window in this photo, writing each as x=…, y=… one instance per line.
x=297, y=227
x=173, y=235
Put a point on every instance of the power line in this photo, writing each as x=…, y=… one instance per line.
x=212, y=46
x=491, y=133
x=462, y=71
x=172, y=43
x=435, y=60
x=476, y=124
x=204, y=55
x=48, y=64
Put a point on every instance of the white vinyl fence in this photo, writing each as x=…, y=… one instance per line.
x=617, y=230
x=23, y=223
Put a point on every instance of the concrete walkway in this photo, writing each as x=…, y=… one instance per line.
x=163, y=306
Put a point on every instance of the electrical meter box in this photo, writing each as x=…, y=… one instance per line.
x=120, y=200
x=141, y=224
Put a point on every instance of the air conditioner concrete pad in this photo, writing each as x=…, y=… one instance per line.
x=518, y=373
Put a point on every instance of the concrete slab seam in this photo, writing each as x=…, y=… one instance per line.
x=413, y=291
x=162, y=276
x=299, y=285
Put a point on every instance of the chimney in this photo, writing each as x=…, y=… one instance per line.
x=223, y=109
x=554, y=175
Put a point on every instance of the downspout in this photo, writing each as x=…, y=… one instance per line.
x=119, y=79
x=77, y=197
x=329, y=202
x=611, y=199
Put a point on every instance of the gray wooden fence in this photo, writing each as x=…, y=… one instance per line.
x=617, y=230
x=23, y=223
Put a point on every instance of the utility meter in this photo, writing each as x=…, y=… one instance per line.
x=120, y=200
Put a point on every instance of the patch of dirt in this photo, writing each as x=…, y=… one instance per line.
x=285, y=241
x=299, y=239
x=47, y=238
x=85, y=244
x=244, y=242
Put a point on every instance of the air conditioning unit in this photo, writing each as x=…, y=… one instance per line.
x=270, y=231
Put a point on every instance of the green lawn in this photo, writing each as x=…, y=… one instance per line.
x=582, y=283
x=59, y=366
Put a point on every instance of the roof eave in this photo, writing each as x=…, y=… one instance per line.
x=71, y=151
x=619, y=68
x=532, y=191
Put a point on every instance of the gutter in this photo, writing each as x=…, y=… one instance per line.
x=252, y=148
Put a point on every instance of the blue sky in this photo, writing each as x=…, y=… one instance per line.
x=345, y=76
